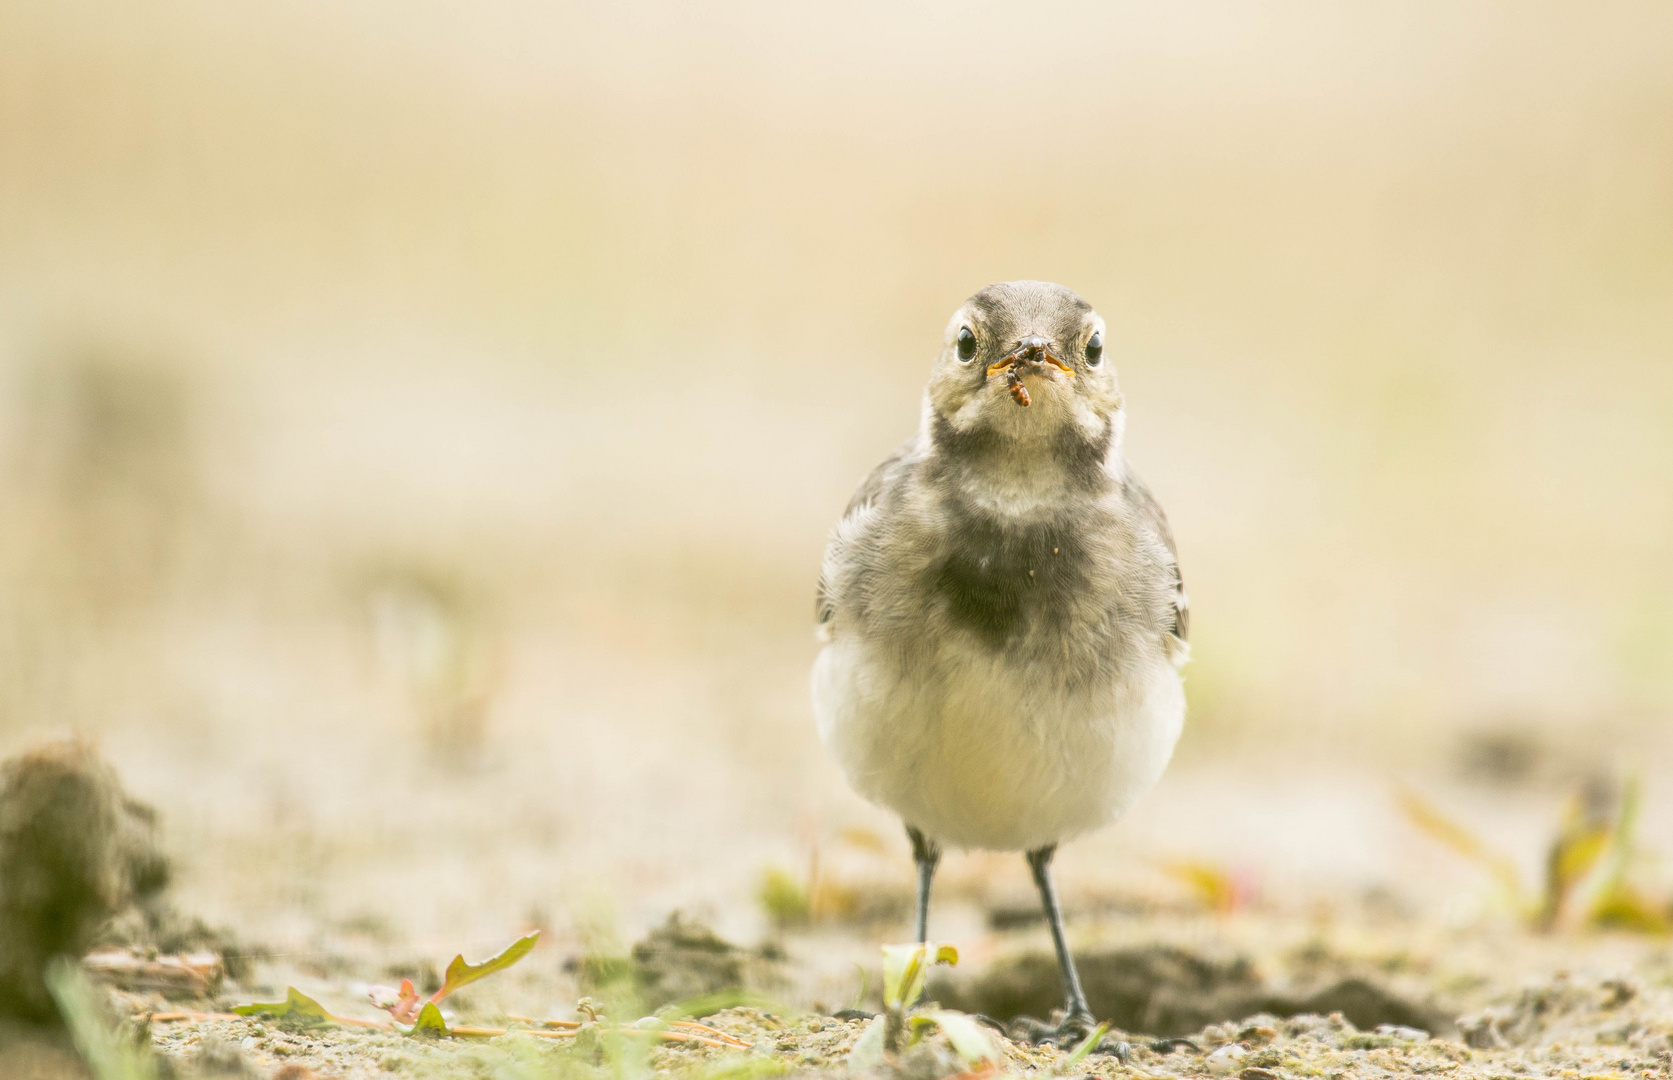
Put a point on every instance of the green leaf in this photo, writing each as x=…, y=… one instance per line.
x=429, y=1022
x=970, y=1042
x=903, y=971
x=460, y=973
x=296, y=1006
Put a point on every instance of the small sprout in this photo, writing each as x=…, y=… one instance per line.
x=407, y=1005
x=904, y=968
x=403, y=1005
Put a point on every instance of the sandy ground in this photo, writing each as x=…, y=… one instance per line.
x=1505, y=1003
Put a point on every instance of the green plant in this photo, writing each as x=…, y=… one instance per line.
x=783, y=898
x=412, y=1016
x=903, y=1025
x=108, y=1056
x=408, y=1009
x=1588, y=863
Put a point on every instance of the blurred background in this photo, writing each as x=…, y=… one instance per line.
x=420, y=425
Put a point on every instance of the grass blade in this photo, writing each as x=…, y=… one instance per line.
x=107, y=1056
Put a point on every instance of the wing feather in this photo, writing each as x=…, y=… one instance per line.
x=870, y=489
x=1150, y=513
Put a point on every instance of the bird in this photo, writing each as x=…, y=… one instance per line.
x=1002, y=614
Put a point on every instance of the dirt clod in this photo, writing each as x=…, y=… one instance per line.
x=74, y=851
x=683, y=959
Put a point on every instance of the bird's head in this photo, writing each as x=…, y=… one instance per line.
x=1024, y=360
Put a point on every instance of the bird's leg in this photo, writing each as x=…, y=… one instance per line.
x=1079, y=1021
x=927, y=854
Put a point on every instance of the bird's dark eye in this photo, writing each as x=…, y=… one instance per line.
x=1095, y=350
x=966, y=344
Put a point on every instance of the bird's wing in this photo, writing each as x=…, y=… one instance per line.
x=1150, y=513
x=864, y=496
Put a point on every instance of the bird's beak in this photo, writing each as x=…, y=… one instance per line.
x=1030, y=352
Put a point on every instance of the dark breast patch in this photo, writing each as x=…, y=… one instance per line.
x=1001, y=581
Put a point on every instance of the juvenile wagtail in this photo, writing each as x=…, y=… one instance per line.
x=1002, y=606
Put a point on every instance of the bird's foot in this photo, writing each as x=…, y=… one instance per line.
x=1068, y=1032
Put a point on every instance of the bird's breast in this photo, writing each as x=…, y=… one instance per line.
x=1004, y=582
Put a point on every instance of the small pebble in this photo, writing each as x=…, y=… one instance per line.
x=1226, y=1059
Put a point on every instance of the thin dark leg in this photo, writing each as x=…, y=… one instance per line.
x=1039, y=861
x=927, y=854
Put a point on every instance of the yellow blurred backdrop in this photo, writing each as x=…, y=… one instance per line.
x=420, y=423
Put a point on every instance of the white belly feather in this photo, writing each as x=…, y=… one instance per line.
x=979, y=753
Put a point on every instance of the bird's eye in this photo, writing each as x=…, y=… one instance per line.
x=1095, y=350
x=966, y=344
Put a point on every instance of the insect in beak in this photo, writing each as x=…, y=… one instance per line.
x=1030, y=353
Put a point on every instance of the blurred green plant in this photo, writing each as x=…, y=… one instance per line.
x=108, y=1055
x=819, y=896
x=1588, y=862
x=783, y=898
x=1434, y=824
